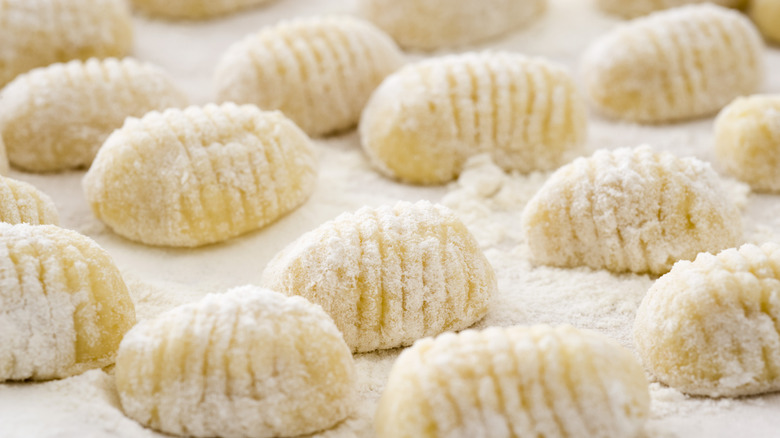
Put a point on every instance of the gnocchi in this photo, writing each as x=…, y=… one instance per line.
x=57, y=117
x=318, y=71
x=65, y=306
x=426, y=120
x=766, y=15
x=630, y=210
x=193, y=9
x=200, y=175
x=390, y=275
x=23, y=203
x=674, y=65
x=246, y=363
x=515, y=382
x=636, y=8
x=709, y=327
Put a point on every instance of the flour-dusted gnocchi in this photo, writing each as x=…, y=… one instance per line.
x=636, y=8
x=747, y=140
x=430, y=24
x=57, y=117
x=318, y=71
x=766, y=15
x=426, y=120
x=200, y=175
x=23, y=203
x=673, y=65
x=630, y=210
x=389, y=275
x=42, y=32
x=64, y=305
x=709, y=327
x=515, y=382
x=193, y=9
x=246, y=363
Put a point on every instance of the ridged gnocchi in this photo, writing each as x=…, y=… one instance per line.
x=57, y=117
x=636, y=8
x=64, y=305
x=766, y=15
x=426, y=120
x=318, y=71
x=193, y=9
x=747, y=140
x=709, y=327
x=515, y=382
x=389, y=275
x=630, y=210
x=431, y=24
x=200, y=175
x=674, y=65
x=23, y=203
x=42, y=32
x=246, y=363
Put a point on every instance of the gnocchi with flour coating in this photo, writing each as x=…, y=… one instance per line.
x=57, y=117
x=515, y=382
x=630, y=210
x=23, y=203
x=193, y=9
x=766, y=15
x=635, y=8
x=200, y=175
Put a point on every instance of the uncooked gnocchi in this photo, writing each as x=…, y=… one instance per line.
x=200, y=175
x=389, y=275
x=42, y=32
x=674, y=65
x=246, y=363
x=318, y=71
x=426, y=120
x=709, y=327
x=766, y=15
x=537, y=381
x=22, y=203
x=747, y=140
x=630, y=210
x=431, y=24
x=193, y=9
x=635, y=8
x=64, y=305
x=57, y=117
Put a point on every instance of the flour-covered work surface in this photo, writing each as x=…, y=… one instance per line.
x=585, y=254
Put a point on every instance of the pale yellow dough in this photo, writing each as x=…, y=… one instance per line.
x=674, y=65
x=36, y=33
x=431, y=24
x=636, y=8
x=515, y=382
x=56, y=118
x=389, y=275
x=64, y=305
x=766, y=15
x=193, y=9
x=23, y=203
x=630, y=210
x=709, y=327
x=246, y=363
x=200, y=175
x=318, y=71
x=426, y=120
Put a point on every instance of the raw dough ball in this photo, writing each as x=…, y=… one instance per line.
x=515, y=382
x=635, y=8
x=389, y=275
x=200, y=175
x=193, y=9
x=42, y=32
x=430, y=24
x=630, y=210
x=426, y=120
x=674, y=65
x=64, y=305
x=709, y=327
x=23, y=203
x=57, y=117
x=318, y=71
x=766, y=15
x=246, y=363
x=747, y=140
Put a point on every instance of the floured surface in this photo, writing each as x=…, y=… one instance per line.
x=488, y=201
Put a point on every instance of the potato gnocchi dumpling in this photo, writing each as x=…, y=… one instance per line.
x=23, y=203
x=635, y=8
x=389, y=275
x=318, y=71
x=431, y=24
x=64, y=305
x=57, y=117
x=200, y=175
x=193, y=9
x=426, y=120
x=674, y=65
x=515, y=382
x=42, y=32
x=630, y=210
x=246, y=363
x=709, y=327
x=766, y=15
